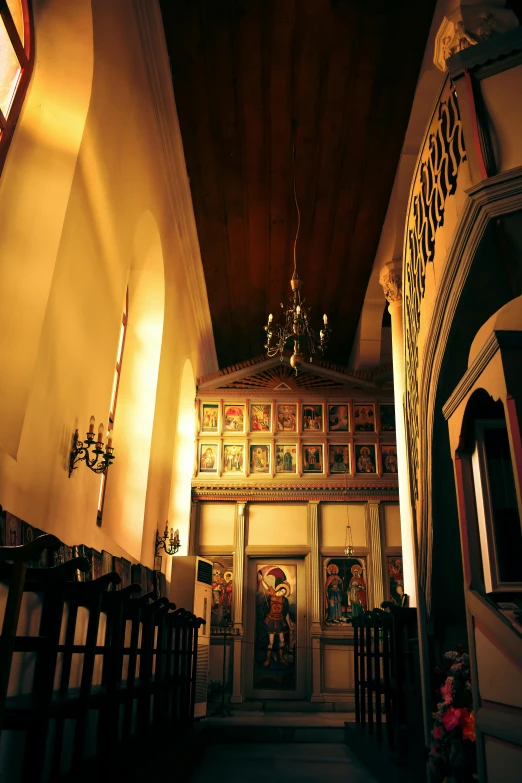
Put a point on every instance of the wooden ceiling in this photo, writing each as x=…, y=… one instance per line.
x=250, y=76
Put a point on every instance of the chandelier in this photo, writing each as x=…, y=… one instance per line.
x=296, y=325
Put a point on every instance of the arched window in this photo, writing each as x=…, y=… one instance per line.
x=16, y=57
x=114, y=397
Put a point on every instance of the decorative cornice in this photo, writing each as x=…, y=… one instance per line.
x=484, y=357
x=469, y=25
x=391, y=280
x=492, y=56
x=495, y=342
x=307, y=491
x=156, y=62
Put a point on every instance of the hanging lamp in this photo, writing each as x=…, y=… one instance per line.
x=296, y=324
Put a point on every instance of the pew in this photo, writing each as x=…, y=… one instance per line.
x=387, y=684
x=124, y=659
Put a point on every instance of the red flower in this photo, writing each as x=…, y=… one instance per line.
x=468, y=725
x=434, y=750
x=437, y=733
x=451, y=718
x=447, y=691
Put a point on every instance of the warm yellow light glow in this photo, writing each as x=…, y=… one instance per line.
x=114, y=388
x=10, y=71
x=17, y=14
x=183, y=457
x=120, y=344
x=102, y=487
x=125, y=512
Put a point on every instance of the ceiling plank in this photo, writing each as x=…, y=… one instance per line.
x=252, y=76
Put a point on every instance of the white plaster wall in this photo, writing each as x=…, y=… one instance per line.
x=334, y=519
x=392, y=524
x=216, y=524
x=277, y=524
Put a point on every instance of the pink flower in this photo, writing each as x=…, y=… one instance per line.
x=434, y=750
x=468, y=725
x=451, y=718
x=437, y=733
x=447, y=690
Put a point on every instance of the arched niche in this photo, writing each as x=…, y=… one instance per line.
x=34, y=193
x=183, y=458
x=484, y=415
x=124, y=511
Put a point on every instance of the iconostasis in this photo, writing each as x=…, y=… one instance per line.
x=286, y=439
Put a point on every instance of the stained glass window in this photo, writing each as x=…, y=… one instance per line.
x=15, y=66
x=114, y=399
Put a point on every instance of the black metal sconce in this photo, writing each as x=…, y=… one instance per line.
x=101, y=456
x=170, y=545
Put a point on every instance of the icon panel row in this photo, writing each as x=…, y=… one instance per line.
x=287, y=417
x=234, y=458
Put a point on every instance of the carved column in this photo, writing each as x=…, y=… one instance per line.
x=315, y=598
x=191, y=548
x=376, y=550
x=237, y=601
x=391, y=281
x=313, y=537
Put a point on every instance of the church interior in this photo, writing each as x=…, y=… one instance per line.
x=260, y=360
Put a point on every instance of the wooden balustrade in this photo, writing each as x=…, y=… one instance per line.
x=387, y=683
x=127, y=657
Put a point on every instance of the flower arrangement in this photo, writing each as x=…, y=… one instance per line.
x=452, y=756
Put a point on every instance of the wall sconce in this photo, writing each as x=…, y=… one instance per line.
x=101, y=456
x=170, y=545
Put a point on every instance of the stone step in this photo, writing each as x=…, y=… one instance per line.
x=276, y=706
x=252, y=732
x=271, y=727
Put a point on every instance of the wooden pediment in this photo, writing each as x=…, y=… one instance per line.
x=271, y=375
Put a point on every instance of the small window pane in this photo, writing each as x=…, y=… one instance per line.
x=506, y=521
x=15, y=6
x=9, y=71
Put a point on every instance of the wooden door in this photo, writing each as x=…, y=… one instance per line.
x=276, y=660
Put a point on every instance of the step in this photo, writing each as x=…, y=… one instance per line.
x=273, y=705
x=325, y=727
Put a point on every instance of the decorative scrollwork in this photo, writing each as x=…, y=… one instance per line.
x=435, y=180
x=100, y=459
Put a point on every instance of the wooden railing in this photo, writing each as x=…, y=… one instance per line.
x=388, y=700
x=123, y=655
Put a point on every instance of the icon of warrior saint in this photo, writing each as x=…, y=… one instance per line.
x=276, y=612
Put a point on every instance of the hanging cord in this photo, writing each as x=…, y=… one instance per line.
x=294, y=276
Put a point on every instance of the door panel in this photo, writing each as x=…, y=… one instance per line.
x=276, y=659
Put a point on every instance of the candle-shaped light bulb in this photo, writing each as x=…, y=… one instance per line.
x=270, y=318
x=298, y=309
x=325, y=319
x=100, y=433
x=321, y=334
x=176, y=536
x=91, y=424
x=166, y=534
x=109, y=439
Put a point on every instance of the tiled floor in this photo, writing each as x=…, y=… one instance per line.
x=280, y=763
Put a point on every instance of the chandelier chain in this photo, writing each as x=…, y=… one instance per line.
x=294, y=276
x=295, y=326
